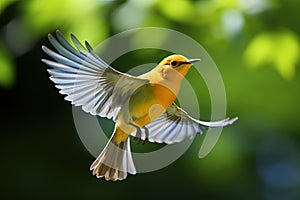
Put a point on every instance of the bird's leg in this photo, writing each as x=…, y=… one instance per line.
x=138, y=134
x=146, y=134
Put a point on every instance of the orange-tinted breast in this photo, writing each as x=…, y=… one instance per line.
x=164, y=96
x=149, y=102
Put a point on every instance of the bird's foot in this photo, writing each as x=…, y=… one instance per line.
x=139, y=139
x=138, y=134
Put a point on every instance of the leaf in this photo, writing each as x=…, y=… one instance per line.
x=278, y=49
x=7, y=72
x=4, y=4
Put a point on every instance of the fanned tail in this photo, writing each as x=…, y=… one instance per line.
x=115, y=161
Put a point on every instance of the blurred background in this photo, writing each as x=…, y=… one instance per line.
x=255, y=45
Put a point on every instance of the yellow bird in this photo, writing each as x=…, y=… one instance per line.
x=140, y=106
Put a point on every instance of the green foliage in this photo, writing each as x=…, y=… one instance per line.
x=4, y=4
x=7, y=71
x=77, y=16
x=170, y=9
x=279, y=49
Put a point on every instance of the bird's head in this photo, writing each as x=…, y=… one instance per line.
x=178, y=63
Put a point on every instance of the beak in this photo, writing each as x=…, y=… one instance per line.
x=191, y=61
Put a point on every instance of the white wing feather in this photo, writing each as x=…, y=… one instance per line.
x=175, y=125
x=87, y=80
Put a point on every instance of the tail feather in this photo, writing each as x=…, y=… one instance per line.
x=115, y=161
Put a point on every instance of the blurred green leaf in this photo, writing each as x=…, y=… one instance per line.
x=5, y=3
x=7, y=72
x=44, y=16
x=93, y=30
x=280, y=49
x=182, y=11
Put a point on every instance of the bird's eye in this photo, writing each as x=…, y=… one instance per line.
x=173, y=63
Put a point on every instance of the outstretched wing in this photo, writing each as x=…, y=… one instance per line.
x=86, y=79
x=175, y=125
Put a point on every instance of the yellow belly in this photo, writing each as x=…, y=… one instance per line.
x=149, y=102
x=120, y=135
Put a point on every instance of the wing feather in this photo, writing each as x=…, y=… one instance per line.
x=175, y=125
x=86, y=79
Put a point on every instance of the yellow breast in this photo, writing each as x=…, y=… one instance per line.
x=149, y=102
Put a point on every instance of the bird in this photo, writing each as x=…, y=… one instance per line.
x=140, y=106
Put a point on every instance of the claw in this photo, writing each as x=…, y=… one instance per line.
x=146, y=134
x=138, y=135
x=138, y=140
x=144, y=141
